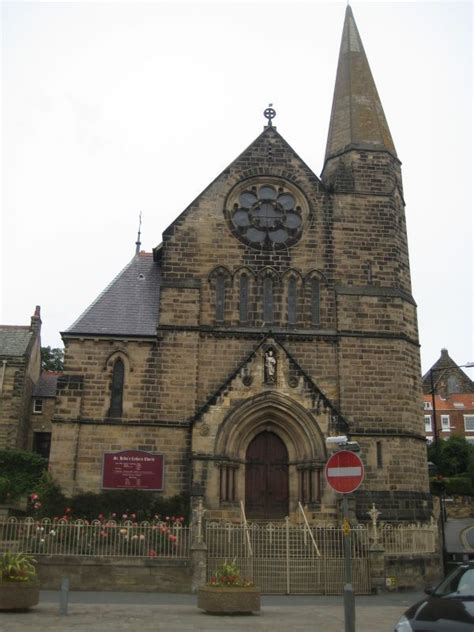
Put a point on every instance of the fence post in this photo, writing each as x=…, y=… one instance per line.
x=198, y=549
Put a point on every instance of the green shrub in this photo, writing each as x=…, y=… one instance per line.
x=459, y=486
x=21, y=472
x=144, y=505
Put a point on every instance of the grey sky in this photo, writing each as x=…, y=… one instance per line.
x=113, y=108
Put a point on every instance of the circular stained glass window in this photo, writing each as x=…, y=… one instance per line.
x=266, y=214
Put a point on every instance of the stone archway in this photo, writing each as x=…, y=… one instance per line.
x=300, y=445
x=266, y=477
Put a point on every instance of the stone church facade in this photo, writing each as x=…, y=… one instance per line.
x=277, y=311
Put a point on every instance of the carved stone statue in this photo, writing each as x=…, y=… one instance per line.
x=270, y=367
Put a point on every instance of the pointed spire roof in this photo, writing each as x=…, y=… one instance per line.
x=357, y=117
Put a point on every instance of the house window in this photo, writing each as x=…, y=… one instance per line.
x=116, y=395
x=428, y=427
x=469, y=423
x=37, y=406
x=470, y=440
x=244, y=298
x=315, y=302
x=268, y=299
x=427, y=406
x=445, y=425
x=292, y=301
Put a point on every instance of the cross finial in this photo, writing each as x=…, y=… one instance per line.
x=269, y=113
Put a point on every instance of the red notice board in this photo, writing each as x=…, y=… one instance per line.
x=133, y=469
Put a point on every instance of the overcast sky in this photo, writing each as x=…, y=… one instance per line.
x=113, y=108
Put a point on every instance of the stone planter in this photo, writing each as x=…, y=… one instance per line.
x=19, y=595
x=229, y=599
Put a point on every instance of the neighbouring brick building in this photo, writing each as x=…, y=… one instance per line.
x=20, y=366
x=277, y=310
x=453, y=392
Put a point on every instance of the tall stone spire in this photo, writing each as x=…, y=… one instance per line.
x=357, y=117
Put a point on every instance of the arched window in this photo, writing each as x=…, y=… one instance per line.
x=116, y=395
x=292, y=295
x=220, y=298
x=315, y=302
x=244, y=298
x=268, y=299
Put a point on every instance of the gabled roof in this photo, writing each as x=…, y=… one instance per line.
x=448, y=377
x=129, y=304
x=357, y=117
x=341, y=423
x=253, y=156
x=14, y=340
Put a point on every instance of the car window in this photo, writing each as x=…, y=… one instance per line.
x=459, y=582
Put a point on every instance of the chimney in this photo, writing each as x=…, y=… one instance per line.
x=36, y=320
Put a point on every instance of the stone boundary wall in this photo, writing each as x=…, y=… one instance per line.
x=117, y=574
x=412, y=572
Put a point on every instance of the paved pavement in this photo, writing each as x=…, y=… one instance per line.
x=146, y=612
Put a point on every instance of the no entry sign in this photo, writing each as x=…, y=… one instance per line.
x=344, y=472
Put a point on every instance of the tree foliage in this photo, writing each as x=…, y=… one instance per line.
x=20, y=473
x=52, y=359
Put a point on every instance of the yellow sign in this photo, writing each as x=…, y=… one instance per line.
x=346, y=527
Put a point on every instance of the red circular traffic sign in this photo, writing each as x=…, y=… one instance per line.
x=344, y=471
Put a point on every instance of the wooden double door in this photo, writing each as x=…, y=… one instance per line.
x=266, y=477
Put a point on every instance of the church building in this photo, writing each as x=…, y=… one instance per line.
x=277, y=311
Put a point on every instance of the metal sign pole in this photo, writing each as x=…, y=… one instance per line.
x=349, y=599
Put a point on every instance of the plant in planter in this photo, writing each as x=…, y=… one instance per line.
x=228, y=592
x=19, y=586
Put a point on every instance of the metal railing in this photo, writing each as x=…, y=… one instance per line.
x=106, y=538
x=284, y=558
x=408, y=539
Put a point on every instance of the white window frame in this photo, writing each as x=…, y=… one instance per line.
x=428, y=424
x=427, y=406
x=467, y=419
x=445, y=423
x=37, y=406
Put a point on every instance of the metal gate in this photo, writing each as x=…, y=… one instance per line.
x=283, y=558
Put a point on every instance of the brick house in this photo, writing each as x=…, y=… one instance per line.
x=20, y=366
x=453, y=400
x=277, y=311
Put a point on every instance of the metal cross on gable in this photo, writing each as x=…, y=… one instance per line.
x=269, y=113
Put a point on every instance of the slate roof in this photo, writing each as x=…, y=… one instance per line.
x=14, y=340
x=46, y=385
x=128, y=305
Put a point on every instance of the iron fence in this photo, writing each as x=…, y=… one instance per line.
x=409, y=539
x=284, y=558
x=106, y=538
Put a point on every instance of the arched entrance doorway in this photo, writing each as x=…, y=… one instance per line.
x=266, y=477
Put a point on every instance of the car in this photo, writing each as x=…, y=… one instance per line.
x=447, y=608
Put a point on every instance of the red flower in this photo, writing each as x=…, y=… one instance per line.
x=152, y=553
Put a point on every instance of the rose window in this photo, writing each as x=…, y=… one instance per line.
x=266, y=216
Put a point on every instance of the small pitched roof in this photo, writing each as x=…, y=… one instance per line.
x=129, y=304
x=46, y=385
x=448, y=377
x=357, y=117
x=14, y=340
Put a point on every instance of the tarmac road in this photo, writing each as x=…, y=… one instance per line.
x=147, y=612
